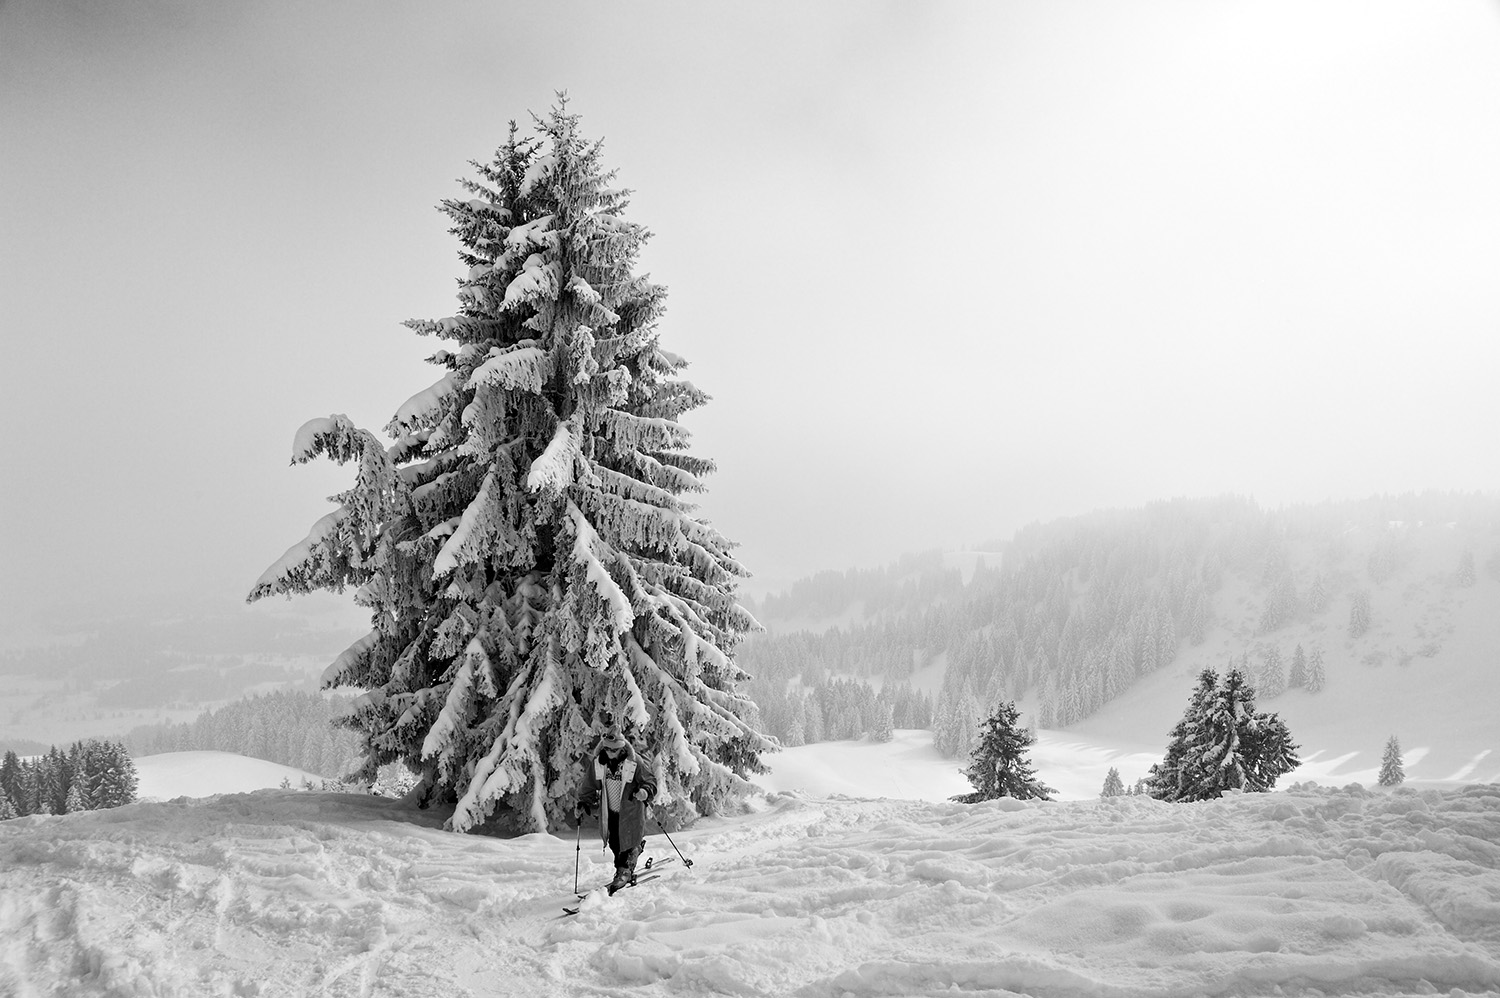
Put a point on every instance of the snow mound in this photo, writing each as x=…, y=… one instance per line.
x=1312, y=891
x=202, y=774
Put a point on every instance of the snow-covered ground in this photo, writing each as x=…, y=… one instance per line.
x=286, y=893
x=202, y=774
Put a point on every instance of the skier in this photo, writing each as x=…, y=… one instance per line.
x=616, y=776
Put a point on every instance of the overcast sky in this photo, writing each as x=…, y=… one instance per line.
x=945, y=268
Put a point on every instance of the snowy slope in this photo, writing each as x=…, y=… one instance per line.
x=909, y=767
x=1426, y=673
x=202, y=774
x=284, y=893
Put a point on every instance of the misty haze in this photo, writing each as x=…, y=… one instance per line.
x=1068, y=425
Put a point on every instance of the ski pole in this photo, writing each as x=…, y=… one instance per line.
x=577, y=846
x=685, y=861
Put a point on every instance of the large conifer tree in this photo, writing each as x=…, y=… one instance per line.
x=525, y=545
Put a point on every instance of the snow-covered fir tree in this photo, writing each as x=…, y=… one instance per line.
x=1465, y=576
x=1281, y=603
x=76, y=800
x=52, y=780
x=1317, y=594
x=1222, y=743
x=10, y=774
x=1315, y=675
x=1183, y=766
x=816, y=729
x=1271, y=682
x=7, y=809
x=998, y=766
x=1359, y=613
x=28, y=800
x=882, y=729
x=111, y=773
x=1113, y=785
x=1297, y=677
x=526, y=545
x=1392, y=773
x=796, y=727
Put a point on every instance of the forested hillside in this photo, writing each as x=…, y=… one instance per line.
x=293, y=728
x=1075, y=612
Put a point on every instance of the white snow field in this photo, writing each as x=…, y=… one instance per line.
x=202, y=774
x=1310, y=891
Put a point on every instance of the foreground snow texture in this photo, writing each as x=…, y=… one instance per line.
x=278, y=893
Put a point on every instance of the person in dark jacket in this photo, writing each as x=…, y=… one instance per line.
x=615, y=777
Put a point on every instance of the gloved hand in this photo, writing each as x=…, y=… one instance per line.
x=588, y=802
x=640, y=794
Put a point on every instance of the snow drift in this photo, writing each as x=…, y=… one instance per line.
x=282, y=893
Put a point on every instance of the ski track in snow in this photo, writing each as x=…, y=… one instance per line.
x=283, y=893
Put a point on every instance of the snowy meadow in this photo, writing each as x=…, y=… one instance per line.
x=813, y=891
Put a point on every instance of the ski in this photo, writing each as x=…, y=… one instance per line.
x=650, y=864
x=633, y=883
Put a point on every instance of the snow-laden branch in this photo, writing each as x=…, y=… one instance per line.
x=538, y=279
x=553, y=470
x=425, y=408
x=456, y=707
x=296, y=567
x=524, y=366
x=641, y=433
x=467, y=541
x=622, y=615
x=333, y=435
x=350, y=659
x=677, y=737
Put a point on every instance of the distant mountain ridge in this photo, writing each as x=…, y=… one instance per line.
x=1096, y=621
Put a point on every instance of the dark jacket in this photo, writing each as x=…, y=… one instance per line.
x=632, y=815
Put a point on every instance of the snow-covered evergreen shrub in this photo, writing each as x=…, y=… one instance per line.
x=525, y=544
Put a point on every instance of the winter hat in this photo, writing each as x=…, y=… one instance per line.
x=612, y=738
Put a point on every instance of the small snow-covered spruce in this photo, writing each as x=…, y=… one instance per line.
x=525, y=545
x=1222, y=744
x=76, y=800
x=1272, y=680
x=998, y=766
x=1297, y=678
x=883, y=725
x=1391, y=771
x=7, y=809
x=1359, y=613
x=1465, y=576
x=1316, y=678
x=1317, y=594
x=1113, y=785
